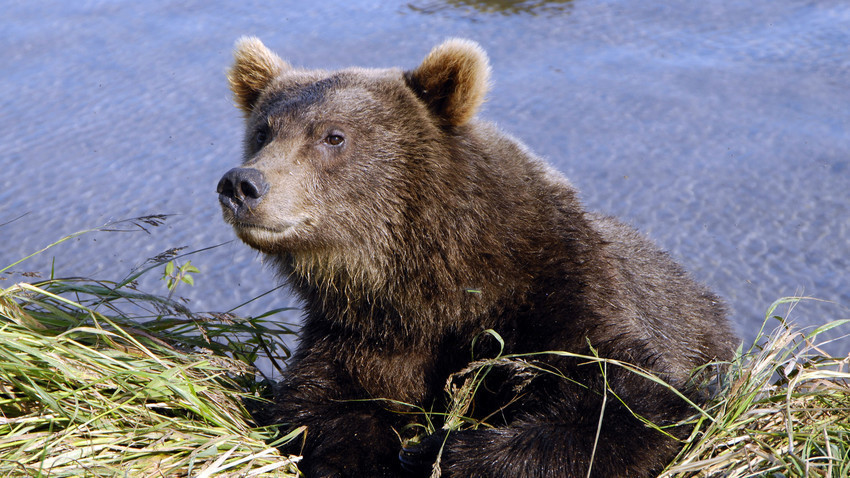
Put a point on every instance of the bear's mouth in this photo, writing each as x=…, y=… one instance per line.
x=263, y=237
x=247, y=226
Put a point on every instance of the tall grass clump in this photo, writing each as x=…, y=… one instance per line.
x=98, y=378
x=784, y=413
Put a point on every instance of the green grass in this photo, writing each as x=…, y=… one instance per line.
x=784, y=413
x=98, y=378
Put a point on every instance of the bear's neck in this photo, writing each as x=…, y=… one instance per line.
x=451, y=272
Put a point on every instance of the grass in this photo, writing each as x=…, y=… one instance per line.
x=785, y=412
x=98, y=378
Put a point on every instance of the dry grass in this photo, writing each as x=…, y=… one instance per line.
x=100, y=379
x=785, y=413
x=83, y=393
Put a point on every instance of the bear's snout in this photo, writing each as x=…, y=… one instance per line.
x=241, y=189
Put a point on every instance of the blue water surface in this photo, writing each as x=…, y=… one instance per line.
x=718, y=128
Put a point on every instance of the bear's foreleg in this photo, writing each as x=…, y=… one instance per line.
x=344, y=436
x=558, y=433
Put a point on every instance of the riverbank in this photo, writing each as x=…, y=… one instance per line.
x=99, y=375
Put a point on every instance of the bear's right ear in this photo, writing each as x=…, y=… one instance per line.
x=253, y=70
x=452, y=80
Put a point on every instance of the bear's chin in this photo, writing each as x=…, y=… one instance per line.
x=266, y=239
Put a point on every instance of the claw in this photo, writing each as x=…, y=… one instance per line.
x=419, y=459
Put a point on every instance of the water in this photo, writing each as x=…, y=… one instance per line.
x=718, y=128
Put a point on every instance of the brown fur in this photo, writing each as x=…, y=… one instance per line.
x=254, y=68
x=407, y=228
x=454, y=79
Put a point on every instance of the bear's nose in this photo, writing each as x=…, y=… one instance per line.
x=241, y=188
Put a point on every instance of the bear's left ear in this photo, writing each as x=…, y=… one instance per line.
x=452, y=80
x=255, y=66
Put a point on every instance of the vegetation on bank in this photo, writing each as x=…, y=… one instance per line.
x=784, y=412
x=99, y=378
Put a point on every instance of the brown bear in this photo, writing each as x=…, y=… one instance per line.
x=408, y=227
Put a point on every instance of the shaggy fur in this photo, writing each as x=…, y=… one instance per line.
x=407, y=228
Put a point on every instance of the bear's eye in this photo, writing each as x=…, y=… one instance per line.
x=334, y=139
x=260, y=138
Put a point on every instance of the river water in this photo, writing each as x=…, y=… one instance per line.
x=721, y=129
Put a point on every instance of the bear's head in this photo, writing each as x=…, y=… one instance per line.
x=342, y=163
